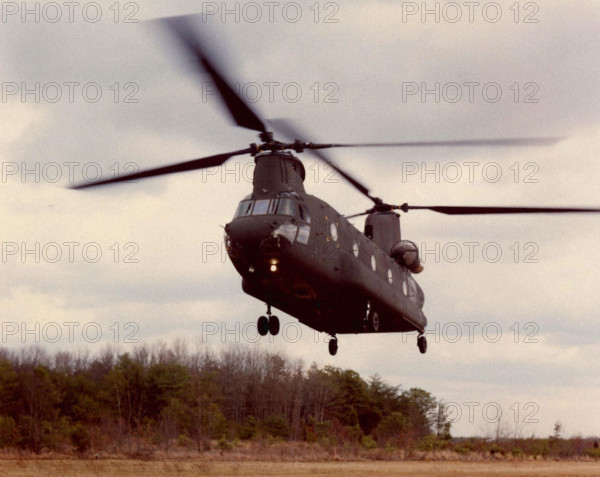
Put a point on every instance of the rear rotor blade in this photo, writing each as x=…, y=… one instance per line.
x=470, y=210
x=195, y=164
x=359, y=215
x=475, y=210
x=285, y=126
x=240, y=111
x=523, y=141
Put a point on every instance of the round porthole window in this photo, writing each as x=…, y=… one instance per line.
x=389, y=276
x=333, y=230
x=373, y=263
x=355, y=249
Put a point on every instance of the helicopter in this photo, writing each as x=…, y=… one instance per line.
x=294, y=251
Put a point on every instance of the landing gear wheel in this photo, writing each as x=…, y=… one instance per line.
x=333, y=346
x=263, y=326
x=374, y=321
x=273, y=325
x=422, y=344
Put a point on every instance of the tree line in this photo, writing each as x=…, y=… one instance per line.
x=161, y=396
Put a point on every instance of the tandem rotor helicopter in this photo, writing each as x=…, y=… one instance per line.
x=297, y=253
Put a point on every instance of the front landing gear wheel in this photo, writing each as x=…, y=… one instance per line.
x=422, y=344
x=333, y=346
x=263, y=326
x=273, y=325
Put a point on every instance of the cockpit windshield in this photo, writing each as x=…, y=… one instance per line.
x=245, y=208
x=279, y=206
x=261, y=207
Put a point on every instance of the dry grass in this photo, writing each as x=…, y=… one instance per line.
x=287, y=459
x=199, y=467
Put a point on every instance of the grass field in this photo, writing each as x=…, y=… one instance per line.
x=197, y=467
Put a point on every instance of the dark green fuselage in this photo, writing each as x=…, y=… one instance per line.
x=296, y=253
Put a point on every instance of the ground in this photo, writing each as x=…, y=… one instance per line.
x=200, y=467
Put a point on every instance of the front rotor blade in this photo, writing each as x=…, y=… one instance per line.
x=468, y=210
x=285, y=126
x=523, y=141
x=240, y=111
x=195, y=164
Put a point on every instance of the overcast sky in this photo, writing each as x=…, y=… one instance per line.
x=512, y=302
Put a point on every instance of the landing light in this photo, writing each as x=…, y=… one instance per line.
x=273, y=266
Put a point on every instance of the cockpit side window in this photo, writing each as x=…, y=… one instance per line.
x=287, y=207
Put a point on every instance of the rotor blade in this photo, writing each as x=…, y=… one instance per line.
x=357, y=215
x=523, y=141
x=469, y=210
x=285, y=126
x=240, y=111
x=211, y=161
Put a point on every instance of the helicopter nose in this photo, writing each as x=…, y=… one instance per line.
x=255, y=237
x=249, y=229
x=246, y=235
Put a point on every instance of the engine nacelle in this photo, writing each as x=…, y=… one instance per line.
x=406, y=253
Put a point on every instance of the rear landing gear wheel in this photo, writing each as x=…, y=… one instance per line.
x=263, y=326
x=422, y=344
x=273, y=325
x=333, y=346
x=374, y=322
